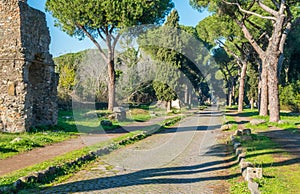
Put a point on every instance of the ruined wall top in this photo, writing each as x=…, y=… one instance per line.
x=12, y=1
x=10, y=32
x=20, y=22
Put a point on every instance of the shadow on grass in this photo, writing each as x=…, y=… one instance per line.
x=242, y=114
x=281, y=163
x=264, y=153
x=7, y=150
x=286, y=140
x=235, y=122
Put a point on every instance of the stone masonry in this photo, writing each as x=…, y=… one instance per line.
x=28, y=82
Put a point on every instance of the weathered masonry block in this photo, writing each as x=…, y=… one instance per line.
x=28, y=82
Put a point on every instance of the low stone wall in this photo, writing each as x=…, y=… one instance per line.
x=248, y=171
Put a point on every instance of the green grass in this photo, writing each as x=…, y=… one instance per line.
x=233, y=107
x=291, y=122
x=202, y=107
x=281, y=174
x=229, y=120
x=171, y=121
x=28, y=141
x=70, y=124
x=7, y=180
x=139, y=115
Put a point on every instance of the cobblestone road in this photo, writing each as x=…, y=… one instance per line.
x=186, y=159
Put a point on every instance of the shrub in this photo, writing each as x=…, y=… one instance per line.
x=290, y=96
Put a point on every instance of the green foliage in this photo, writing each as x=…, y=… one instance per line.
x=140, y=115
x=164, y=91
x=291, y=67
x=96, y=14
x=67, y=66
x=258, y=30
x=169, y=61
x=103, y=20
x=180, y=54
x=290, y=96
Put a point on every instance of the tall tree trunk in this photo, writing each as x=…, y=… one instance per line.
x=111, y=85
x=242, y=87
x=190, y=97
x=263, y=105
x=252, y=103
x=273, y=90
x=186, y=94
x=259, y=86
x=274, y=59
x=230, y=97
x=169, y=106
x=233, y=93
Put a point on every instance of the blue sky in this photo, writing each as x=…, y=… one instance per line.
x=62, y=43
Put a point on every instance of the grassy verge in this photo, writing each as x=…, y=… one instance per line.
x=290, y=122
x=281, y=173
x=12, y=144
x=229, y=120
x=86, y=122
x=64, y=161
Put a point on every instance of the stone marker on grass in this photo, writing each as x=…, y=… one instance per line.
x=252, y=173
x=238, y=132
x=257, y=121
x=226, y=127
x=120, y=113
x=246, y=131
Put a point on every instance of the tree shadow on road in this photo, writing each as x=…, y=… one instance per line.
x=145, y=177
x=164, y=175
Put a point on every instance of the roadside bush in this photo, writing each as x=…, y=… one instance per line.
x=290, y=96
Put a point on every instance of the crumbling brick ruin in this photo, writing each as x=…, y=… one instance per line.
x=28, y=82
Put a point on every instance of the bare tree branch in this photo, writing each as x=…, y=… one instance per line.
x=116, y=39
x=267, y=9
x=282, y=7
x=250, y=38
x=100, y=34
x=284, y=36
x=264, y=34
x=92, y=39
x=111, y=29
x=249, y=12
x=108, y=43
x=276, y=4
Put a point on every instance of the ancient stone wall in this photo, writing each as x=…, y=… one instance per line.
x=28, y=95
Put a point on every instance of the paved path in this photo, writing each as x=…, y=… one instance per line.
x=187, y=159
x=39, y=155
